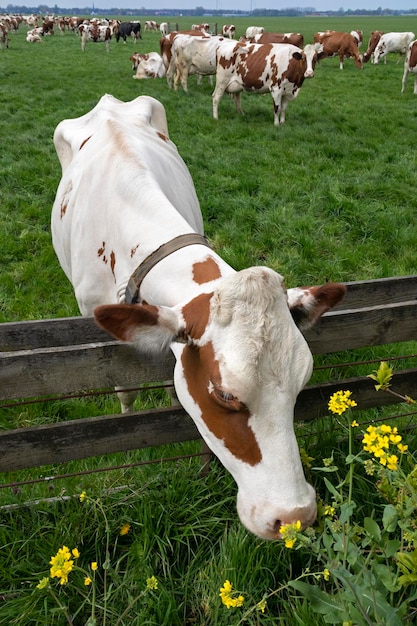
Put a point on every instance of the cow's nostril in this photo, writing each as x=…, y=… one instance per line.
x=277, y=526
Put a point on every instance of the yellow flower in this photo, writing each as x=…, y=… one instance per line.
x=402, y=448
x=87, y=581
x=289, y=533
x=340, y=401
x=75, y=553
x=61, y=565
x=354, y=424
x=329, y=510
x=43, y=583
x=83, y=496
x=261, y=606
x=226, y=595
x=124, y=529
x=289, y=543
x=326, y=574
x=392, y=462
x=151, y=583
x=94, y=566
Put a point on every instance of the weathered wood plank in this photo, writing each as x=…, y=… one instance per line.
x=368, y=293
x=32, y=373
x=95, y=436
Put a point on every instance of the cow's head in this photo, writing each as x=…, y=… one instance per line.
x=241, y=362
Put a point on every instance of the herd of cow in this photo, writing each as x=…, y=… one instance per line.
x=259, y=62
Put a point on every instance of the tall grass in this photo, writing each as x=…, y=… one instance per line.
x=330, y=195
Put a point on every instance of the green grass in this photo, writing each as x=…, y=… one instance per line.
x=329, y=196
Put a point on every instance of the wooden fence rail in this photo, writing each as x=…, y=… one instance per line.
x=71, y=355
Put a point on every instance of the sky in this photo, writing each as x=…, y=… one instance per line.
x=242, y=5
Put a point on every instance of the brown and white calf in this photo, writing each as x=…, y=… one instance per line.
x=95, y=33
x=240, y=358
x=147, y=65
x=372, y=44
x=279, y=69
x=410, y=65
x=343, y=45
x=151, y=25
x=229, y=30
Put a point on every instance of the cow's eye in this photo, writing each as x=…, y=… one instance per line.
x=227, y=399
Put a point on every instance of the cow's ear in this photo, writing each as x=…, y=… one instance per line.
x=308, y=304
x=152, y=329
x=297, y=55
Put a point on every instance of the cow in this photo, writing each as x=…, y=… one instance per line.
x=95, y=33
x=147, y=65
x=195, y=55
x=392, y=42
x=128, y=29
x=35, y=35
x=372, y=44
x=204, y=28
x=4, y=38
x=164, y=29
x=410, y=65
x=261, y=68
x=296, y=39
x=229, y=30
x=165, y=46
x=358, y=35
x=343, y=45
x=251, y=31
x=151, y=25
x=241, y=359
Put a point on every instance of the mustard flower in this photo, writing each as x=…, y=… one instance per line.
x=379, y=441
x=152, y=583
x=227, y=598
x=354, y=424
x=61, y=565
x=261, y=606
x=87, y=581
x=83, y=496
x=340, y=401
x=402, y=448
x=94, y=566
x=289, y=533
x=75, y=553
x=326, y=574
x=43, y=584
x=329, y=510
x=124, y=529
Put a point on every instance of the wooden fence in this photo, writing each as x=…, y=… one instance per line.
x=39, y=359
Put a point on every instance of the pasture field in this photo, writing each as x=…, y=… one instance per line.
x=331, y=195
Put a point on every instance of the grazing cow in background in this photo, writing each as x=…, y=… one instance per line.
x=151, y=25
x=343, y=45
x=147, y=65
x=296, y=39
x=410, y=65
x=48, y=27
x=95, y=33
x=251, y=31
x=229, y=30
x=165, y=45
x=128, y=29
x=204, y=28
x=164, y=29
x=240, y=358
x=279, y=69
x=372, y=44
x=392, y=42
x=358, y=35
x=4, y=38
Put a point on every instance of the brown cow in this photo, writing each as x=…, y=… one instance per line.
x=410, y=65
x=372, y=44
x=342, y=44
x=296, y=39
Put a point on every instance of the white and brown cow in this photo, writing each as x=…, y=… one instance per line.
x=343, y=45
x=372, y=44
x=165, y=45
x=4, y=38
x=296, y=39
x=410, y=65
x=279, y=69
x=392, y=42
x=151, y=25
x=147, y=65
x=229, y=30
x=251, y=31
x=95, y=33
x=241, y=360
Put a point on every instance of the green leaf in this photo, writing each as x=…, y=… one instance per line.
x=392, y=547
x=390, y=518
x=319, y=601
x=372, y=528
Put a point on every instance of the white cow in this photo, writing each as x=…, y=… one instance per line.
x=164, y=29
x=392, y=42
x=35, y=35
x=410, y=65
x=240, y=358
x=147, y=65
x=251, y=31
x=195, y=55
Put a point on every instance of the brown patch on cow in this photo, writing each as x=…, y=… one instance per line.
x=296, y=68
x=63, y=209
x=84, y=142
x=101, y=250
x=112, y=261
x=196, y=314
x=251, y=73
x=162, y=136
x=121, y=320
x=206, y=271
x=201, y=369
x=413, y=56
x=133, y=251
